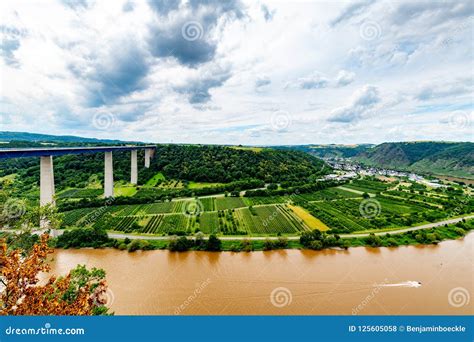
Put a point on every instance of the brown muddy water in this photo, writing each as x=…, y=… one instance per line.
x=363, y=281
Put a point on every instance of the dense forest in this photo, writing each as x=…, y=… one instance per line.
x=223, y=164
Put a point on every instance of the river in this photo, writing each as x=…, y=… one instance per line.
x=412, y=280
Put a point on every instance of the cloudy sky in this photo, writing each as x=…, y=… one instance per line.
x=239, y=72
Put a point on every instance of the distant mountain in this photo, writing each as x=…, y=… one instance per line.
x=442, y=158
x=330, y=150
x=35, y=137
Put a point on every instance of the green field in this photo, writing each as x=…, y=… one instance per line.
x=339, y=210
x=125, y=190
x=199, y=185
x=155, y=179
x=223, y=203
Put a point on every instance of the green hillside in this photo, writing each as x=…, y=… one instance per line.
x=443, y=158
x=198, y=163
x=330, y=150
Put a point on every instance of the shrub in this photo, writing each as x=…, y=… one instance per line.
x=373, y=240
x=214, y=244
x=316, y=245
x=139, y=244
x=246, y=245
x=180, y=244
x=84, y=237
x=268, y=245
x=391, y=242
x=234, y=248
x=282, y=242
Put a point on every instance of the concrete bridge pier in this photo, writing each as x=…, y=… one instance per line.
x=46, y=180
x=134, y=166
x=148, y=155
x=108, y=176
x=46, y=186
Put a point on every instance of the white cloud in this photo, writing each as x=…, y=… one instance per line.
x=344, y=78
x=361, y=101
x=61, y=65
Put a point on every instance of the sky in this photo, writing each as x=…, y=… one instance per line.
x=239, y=72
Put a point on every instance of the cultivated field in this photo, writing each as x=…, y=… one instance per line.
x=335, y=209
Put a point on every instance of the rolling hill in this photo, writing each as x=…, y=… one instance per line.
x=442, y=158
x=36, y=137
x=330, y=150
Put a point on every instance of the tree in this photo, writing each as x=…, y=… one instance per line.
x=373, y=240
x=268, y=244
x=81, y=292
x=213, y=243
x=180, y=244
x=365, y=195
x=84, y=237
x=272, y=186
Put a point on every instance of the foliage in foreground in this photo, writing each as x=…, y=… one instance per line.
x=81, y=292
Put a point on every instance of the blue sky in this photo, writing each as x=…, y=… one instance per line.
x=239, y=72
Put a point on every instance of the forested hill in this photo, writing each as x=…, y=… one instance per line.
x=330, y=150
x=186, y=162
x=225, y=164
x=35, y=137
x=443, y=158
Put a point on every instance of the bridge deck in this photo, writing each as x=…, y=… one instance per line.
x=60, y=151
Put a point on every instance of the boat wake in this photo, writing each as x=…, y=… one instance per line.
x=408, y=283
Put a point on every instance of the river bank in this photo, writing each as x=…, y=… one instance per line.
x=92, y=238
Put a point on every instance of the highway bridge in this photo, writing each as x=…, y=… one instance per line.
x=46, y=164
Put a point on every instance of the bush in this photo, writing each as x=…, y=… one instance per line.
x=84, y=237
x=139, y=244
x=134, y=245
x=316, y=245
x=282, y=242
x=268, y=245
x=214, y=244
x=272, y=186
x=180, y=244
x=307, y=237
x=234, y=248
x=391, y=242
x=373, y=240
x=246, y=245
